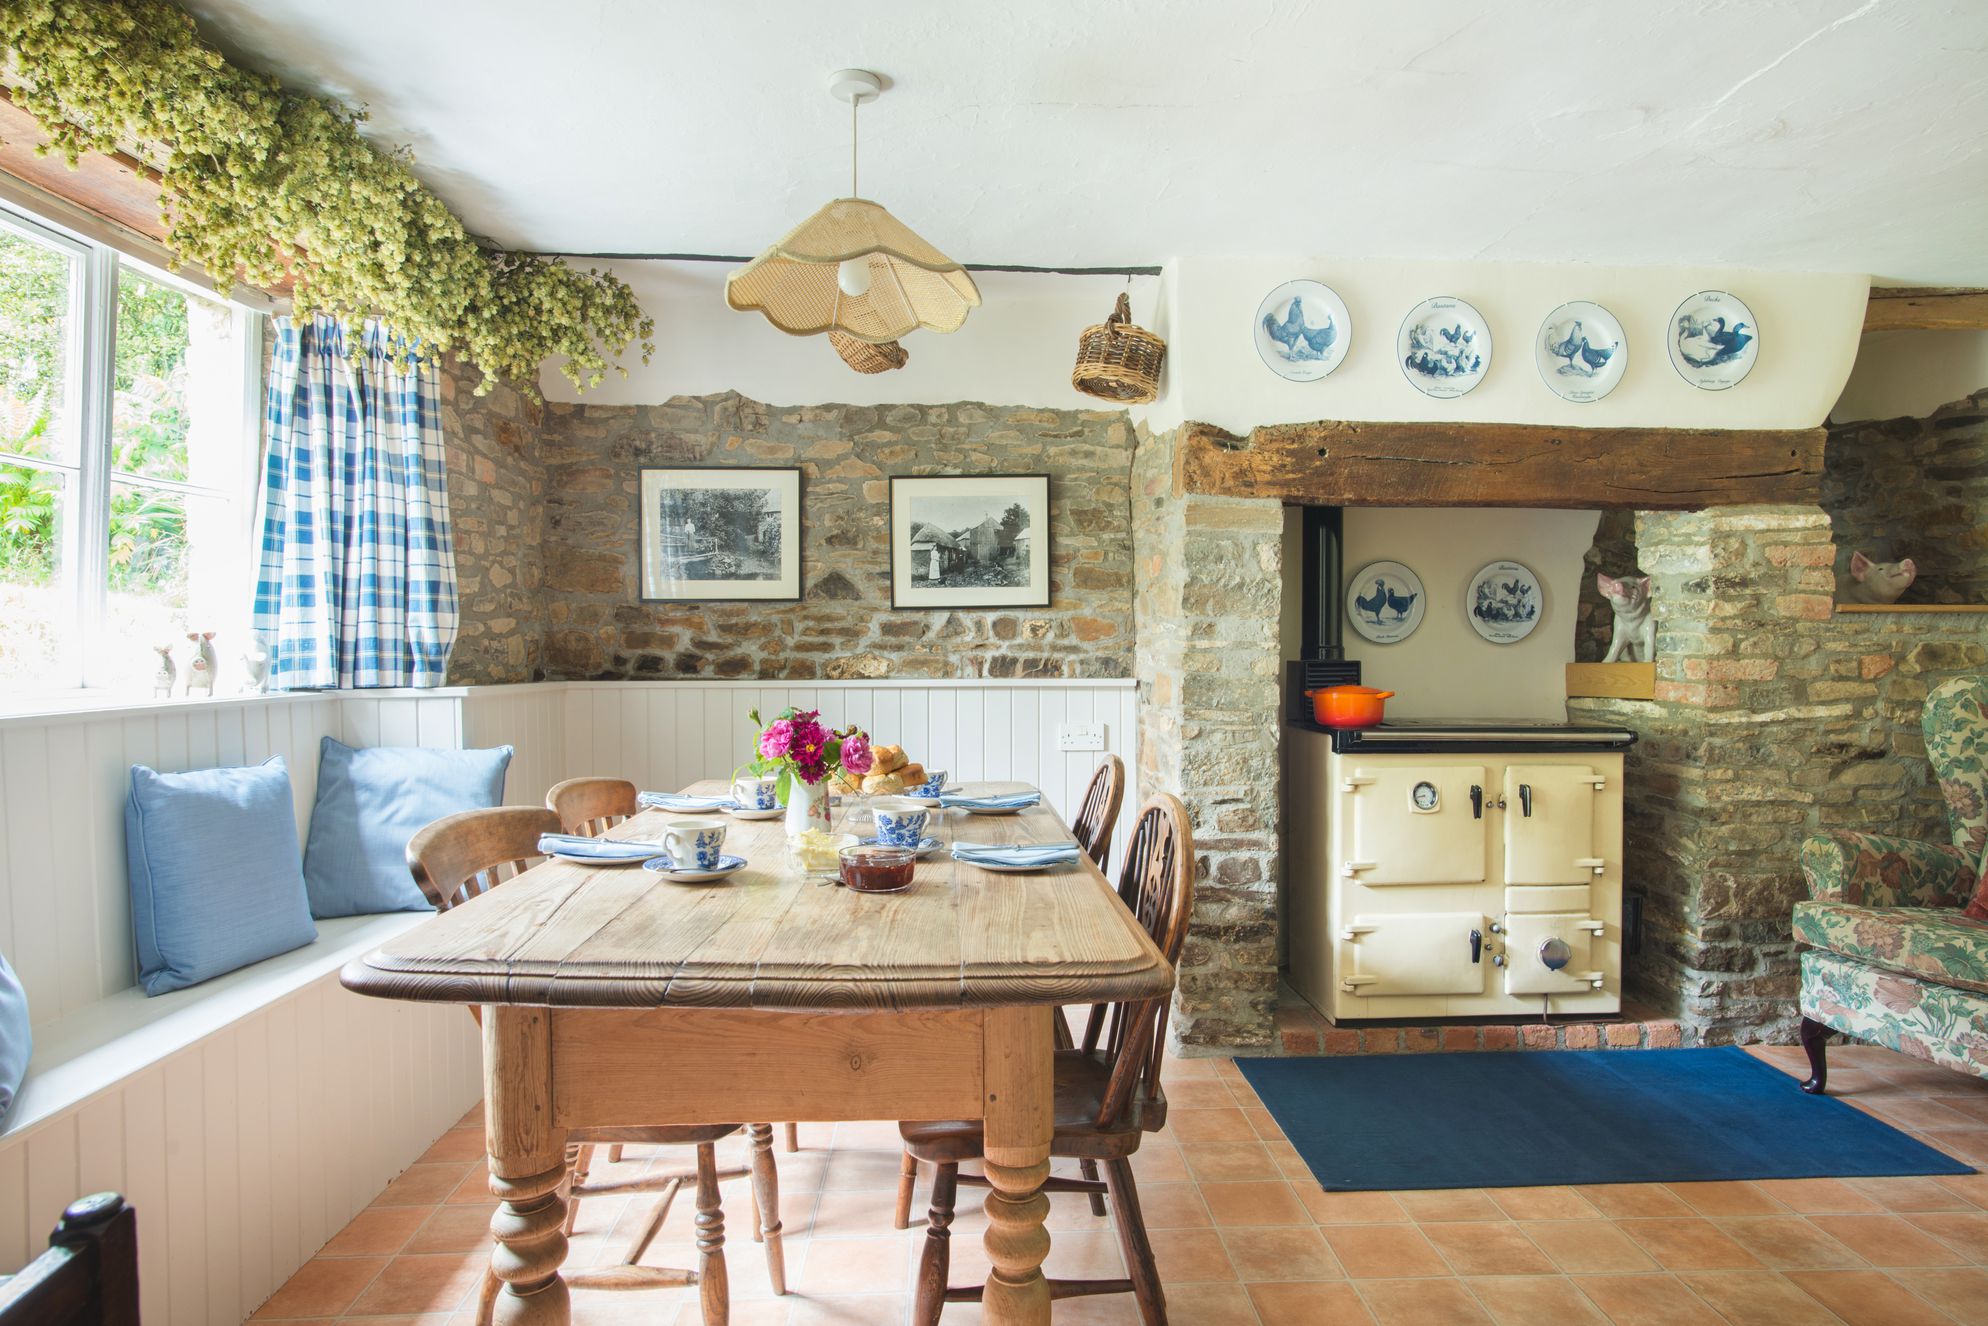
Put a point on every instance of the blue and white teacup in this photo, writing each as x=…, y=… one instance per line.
x=756, y=793
x=900, y=823
x=694, y=844
x=935, y=779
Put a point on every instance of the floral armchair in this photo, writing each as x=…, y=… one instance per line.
x=1894, y=949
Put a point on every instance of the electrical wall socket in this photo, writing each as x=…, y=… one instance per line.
x=1080, y=736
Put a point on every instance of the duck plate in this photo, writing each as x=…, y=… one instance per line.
x=1713, y=340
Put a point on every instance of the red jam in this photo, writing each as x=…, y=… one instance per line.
x=872, y=869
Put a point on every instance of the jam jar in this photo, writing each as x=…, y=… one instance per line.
x=868, y=868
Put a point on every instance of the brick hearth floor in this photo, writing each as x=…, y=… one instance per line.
x=1301, y=1031
x=1244, y=1236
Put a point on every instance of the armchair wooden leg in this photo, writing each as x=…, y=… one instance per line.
x=486, y=1297
x=614, y=1154
x=579, y=1159
x=907, y=1187
x=1089, y=1169
x=935, y=1263
x=714, y=1289
x=793, y=1138
x=766, y=1201
x=1815, y=1040
x=1133, y=1244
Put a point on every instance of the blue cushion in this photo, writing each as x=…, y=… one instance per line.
x=15, y=1041
x=371, y=801
x=215, y=883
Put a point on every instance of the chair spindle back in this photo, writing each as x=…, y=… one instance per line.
x=591, y=806
x=462, y=855
x=1098, y=815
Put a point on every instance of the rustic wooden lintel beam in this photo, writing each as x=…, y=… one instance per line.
x=113, y=186
x=1926, y=309
x=1343, y=463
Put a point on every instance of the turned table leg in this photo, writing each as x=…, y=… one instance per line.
x=527, y=1168
x=1016, y=1071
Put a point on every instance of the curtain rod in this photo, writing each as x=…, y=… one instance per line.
x=971, y=266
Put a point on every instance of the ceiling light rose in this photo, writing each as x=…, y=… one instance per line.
x=852, y=267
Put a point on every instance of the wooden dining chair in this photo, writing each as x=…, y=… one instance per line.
x=463, y=856
x=1097, y=814
x=1107, y=1093
x=88, y=1276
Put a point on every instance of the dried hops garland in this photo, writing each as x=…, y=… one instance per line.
x=261, y=183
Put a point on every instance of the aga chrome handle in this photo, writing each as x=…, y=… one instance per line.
x=1476, y=802
x=1476, y=947
x=1525, y=799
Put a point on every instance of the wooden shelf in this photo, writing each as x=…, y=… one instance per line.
x=1912, y=607
x=1612, y=681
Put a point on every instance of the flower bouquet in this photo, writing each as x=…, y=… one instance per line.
x=802, y=753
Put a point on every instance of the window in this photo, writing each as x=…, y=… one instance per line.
x=129, y=429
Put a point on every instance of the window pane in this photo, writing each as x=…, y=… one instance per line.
x=36, y=607
x=36, y=284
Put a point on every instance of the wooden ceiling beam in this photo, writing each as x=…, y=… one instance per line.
x=113, y=187
x=1343, y=463
x=1920, y=308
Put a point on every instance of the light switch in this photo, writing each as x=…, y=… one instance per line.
x=1080, y=736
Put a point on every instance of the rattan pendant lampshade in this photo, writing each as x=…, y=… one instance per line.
x=854, y=268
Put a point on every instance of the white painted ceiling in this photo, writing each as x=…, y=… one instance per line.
x=1807, y=134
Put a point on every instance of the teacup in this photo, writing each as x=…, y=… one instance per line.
x=900, y=823
x=694, y=844
x=756, y=793
x=935, y=779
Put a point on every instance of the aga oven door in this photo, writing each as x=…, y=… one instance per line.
x=1551, y=954
x=1413, y=953
x=1414, y=823
x=1550, y=824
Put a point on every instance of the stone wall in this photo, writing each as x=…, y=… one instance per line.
x=1774, y=716
x=1207, y=608
x=844, y=627
x=497, y=509
x=1913, y=488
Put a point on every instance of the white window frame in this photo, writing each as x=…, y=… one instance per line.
x=86, y=516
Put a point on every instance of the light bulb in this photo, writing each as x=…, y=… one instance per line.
x=852, y=276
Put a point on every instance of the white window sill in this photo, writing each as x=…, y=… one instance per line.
x=60, y=704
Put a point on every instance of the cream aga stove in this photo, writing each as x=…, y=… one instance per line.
x=1456, y=869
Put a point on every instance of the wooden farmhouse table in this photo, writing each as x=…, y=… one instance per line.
x=612, y=997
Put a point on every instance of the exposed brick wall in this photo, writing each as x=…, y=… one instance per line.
x=497, y=509
x=844, y=627
x=1914, y=488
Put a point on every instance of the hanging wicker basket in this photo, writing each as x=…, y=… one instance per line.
x=865, y=357
x=1117, y=361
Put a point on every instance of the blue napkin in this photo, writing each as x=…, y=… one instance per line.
x=679, y=801
x=1017, y=854
x=1017, y=800
x=600, y=848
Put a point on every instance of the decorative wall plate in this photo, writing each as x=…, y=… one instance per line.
x=1713, y=340
x=1384, y=601
x=1303, y=330
x=1581, y=351
x=1505, y=602
x=1444, y=347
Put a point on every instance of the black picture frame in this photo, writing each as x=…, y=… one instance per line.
x=913, y=560
x=656, y=552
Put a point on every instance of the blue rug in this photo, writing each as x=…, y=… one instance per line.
x=1528, y=1118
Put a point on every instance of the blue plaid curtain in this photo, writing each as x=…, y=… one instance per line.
x=358, y=579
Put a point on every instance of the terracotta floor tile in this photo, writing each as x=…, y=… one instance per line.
x=1227, y=1162
x=1927, y=1114
x=1535, y=1300
x=322, y=1287
x=1868, y=1298
x=1432, y=1204
x=1349, y=1208
x=1757, y=1298
x=1910, y=1194
x=1818, y=1196
x=1216, y=1125
x=1789, y=1242
x=1334, y=1304
x=1727, y=1199
x=1288, y=1253
x=1159, y=1161
x=871, y=1310
x=847, y=1266
x=1968, y=1144
x=1647, y=1300
x=1422, y=1303
x=423, y=1283
x=1265, y=1202
x=1966, y=1232
x=1689, y=1245
x=378, y=1231
x=1173, y=1206
x=425, y=1185
x=1887, y=1240
x=1201, y=1094
x=1626, y=1201
x=454, y=1229
x=1544, y=1204
x=1972, y=1187
x=1202, y=1304
x=1589, y=1247
x=1289, y=1163
x=1384, y=1251
x=1263, y=1122
x=1960, y=1292
x=1189, y=1256
x=1488, y=1247
x=457, y=1144
x=850, y=1171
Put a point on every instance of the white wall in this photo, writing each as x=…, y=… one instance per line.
x=1810, y=323
x=1445, y=669
x=1017, y=348
x=1913, y=373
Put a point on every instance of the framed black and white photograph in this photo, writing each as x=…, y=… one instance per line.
x=720, y=532
x=970, y=543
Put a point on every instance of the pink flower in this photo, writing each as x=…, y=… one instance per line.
x=856, y=756
x=777, y=739
x=808, y=742
x=811, y=773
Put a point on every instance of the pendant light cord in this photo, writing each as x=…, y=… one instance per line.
x=855, y=104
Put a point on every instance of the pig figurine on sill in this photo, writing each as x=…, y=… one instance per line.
x=168, y=673
x=1635, y=638
x=1875, y=582
x=255, y=667
x=200, y=672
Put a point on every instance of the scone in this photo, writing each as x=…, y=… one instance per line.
x=882, y=785
x=913, y=774
x=888, y=759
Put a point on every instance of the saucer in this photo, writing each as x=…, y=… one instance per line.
x=995, y=810
x=929, y=802
x=662, y=865
x=926, y=845
x=607, y=861
x=1021, y=870
x=741, y=814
